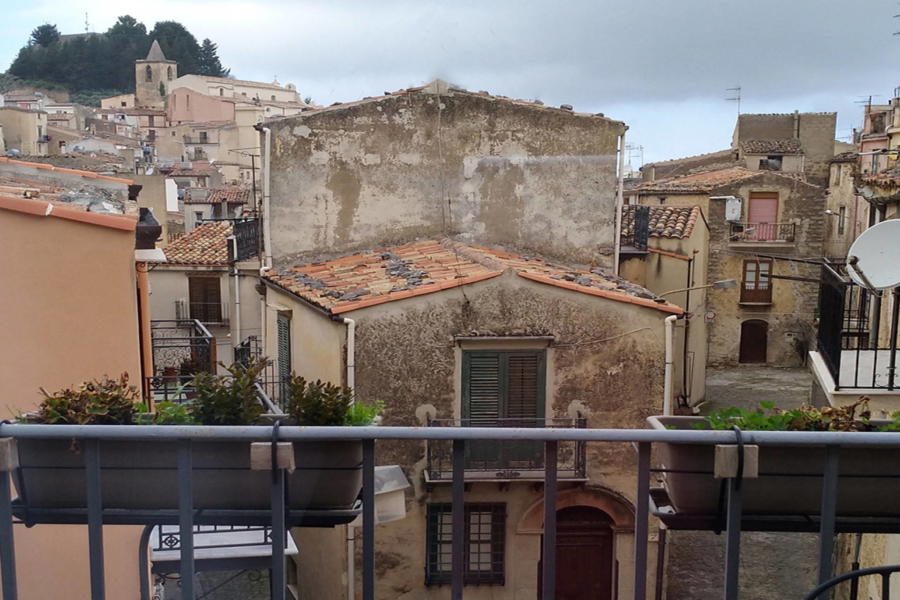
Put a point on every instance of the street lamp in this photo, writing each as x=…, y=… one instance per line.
x=716, y=285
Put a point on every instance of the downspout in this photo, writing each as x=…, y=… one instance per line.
x=267, y=230
x=620, y=200
x=236, y=323
x=667, y=382
x=685, y=385
x=351, y=530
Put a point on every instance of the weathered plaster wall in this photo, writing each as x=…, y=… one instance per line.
x=841, y=194
x=420, y=164
x=606, y=362
x=792, y=312
x=815, y=131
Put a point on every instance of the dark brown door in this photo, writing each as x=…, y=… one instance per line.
x=584, y=554
x=754, y=338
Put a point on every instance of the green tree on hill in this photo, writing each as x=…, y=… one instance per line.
x=44, y=35
x=209, y=60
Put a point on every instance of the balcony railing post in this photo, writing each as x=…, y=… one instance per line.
x=368, y=520
x=829, y=507
x=733, y=539
x=95, y=518
x=642, y=519
x=458, y=517
x=279, y=527
x=548, y=576
x=7, y=546
x=186, y=519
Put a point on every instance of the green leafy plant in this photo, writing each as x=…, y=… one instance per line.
x=853, y=417
x=323, y=403
x=189, y=367
x=228, y=400
x=98, y=402
x=167, y=413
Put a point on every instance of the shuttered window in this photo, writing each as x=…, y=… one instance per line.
x=205, y=299
x=503, y=387
x=484, y=546
x=284, y=354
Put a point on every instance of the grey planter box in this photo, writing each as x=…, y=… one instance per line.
x=790, y=478
x=143, y=475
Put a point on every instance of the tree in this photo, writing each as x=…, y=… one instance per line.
x=208, y=60
x=128, y=41
x=44, y=35
x=177, y=44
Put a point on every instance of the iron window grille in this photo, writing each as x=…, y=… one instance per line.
x=484, y=548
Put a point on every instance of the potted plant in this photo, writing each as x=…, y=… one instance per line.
x=790, y=477
x=142, y=475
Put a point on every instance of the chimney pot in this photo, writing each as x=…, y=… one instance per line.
x=147, y=231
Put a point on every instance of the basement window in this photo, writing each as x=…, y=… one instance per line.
x=484, y=548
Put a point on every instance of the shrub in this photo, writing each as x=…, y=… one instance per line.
x=99, y=402
x=228, y=400
x=322, y=403
x=853, y=417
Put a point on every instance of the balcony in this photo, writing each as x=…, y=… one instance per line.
x=181, y=348
x=514, y=460
x=761, y=234
x=193, y=525
x=200, y=141
x=207, y=313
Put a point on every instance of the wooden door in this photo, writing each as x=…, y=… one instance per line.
x=754, y=339
x=763, y=216
x=584, y=554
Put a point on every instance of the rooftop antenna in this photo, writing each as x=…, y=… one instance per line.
x=735, y=97
x=635, y=151
x=87, y=28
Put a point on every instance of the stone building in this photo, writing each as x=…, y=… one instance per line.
x=25, y=130
x=152, y=78
x=758, y=221
x=449, y=334
x=438, y=160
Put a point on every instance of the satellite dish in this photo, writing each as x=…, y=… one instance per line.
x=872, y=261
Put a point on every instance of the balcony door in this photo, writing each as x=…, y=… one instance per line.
x=762, y=216
x=503, y=389
x=584, y=554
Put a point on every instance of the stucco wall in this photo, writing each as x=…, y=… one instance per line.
x=791, y=314
x=20, y=130
x=421, y=164
x=70, y=314
x=184, y=105
x=606, y=362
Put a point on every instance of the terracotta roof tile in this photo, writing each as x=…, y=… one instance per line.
x=232, y=193
x=206, y=245
x=782, y=146
x=423, y=267
x=666, y=221
x=698, y=182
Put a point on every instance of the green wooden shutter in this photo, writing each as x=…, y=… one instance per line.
x=284, y=354
x=482, y=390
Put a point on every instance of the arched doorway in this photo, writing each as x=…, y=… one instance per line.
x=584, y=554
x=754, y=340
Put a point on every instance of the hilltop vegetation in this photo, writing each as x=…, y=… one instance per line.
x=86, y=64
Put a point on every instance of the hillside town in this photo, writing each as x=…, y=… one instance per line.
x=450, y=259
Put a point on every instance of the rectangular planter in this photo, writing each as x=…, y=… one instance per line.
x=143, y=475
x=790, y=478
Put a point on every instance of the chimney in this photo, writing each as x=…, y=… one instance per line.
x=147, y=231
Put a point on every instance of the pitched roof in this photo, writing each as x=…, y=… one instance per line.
x=156, y=53
x=698, y=182
x=782, y=146
x=206, y=245
x=424, y=267
x=50, y=167
x=41, y=208
x=850, y=156
x=723, y=154
x=233, y=194
x=665, y=221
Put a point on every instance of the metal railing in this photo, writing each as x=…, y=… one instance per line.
x=246, y=232
x=180, y=348
x=853, y=577
x=521, y=460
x=94, y=439
x=762, y=232
x=849, y=333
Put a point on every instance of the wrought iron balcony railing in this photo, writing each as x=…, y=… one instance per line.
x=508, y=460
x=180, y=347
x=762, y=232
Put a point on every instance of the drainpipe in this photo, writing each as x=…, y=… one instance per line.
x=236, y=322
x=267, y=227
x=351, y=352
x=620, y=200
x=670, y=352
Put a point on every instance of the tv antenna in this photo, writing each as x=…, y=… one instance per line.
x=871, y=260
x=866, y=100
x=87, y=27
x=735, y=96
x=635, y=151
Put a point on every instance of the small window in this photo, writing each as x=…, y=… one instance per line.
x=842, y=215
x=203, y=138
x=169, y=73
x=273, y=97
x=124, y=103
x=484, y=547
x=148, y=73
x=221, y=91
x=205, y=299
x=662, y=199
x=756, y=287
x=244, y=94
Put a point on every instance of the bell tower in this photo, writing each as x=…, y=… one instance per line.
x=152, y=77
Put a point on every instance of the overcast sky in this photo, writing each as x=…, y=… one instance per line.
x=662, y=66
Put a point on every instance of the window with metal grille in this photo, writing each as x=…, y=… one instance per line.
x=205, y=299
x=484, y=547
x=757, y=286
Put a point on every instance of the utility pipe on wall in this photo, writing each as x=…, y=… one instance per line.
x=620, y=200
x=351, y=530
x=267, y=230
x=236, y=334
x=351, y=352
x=670, y=352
